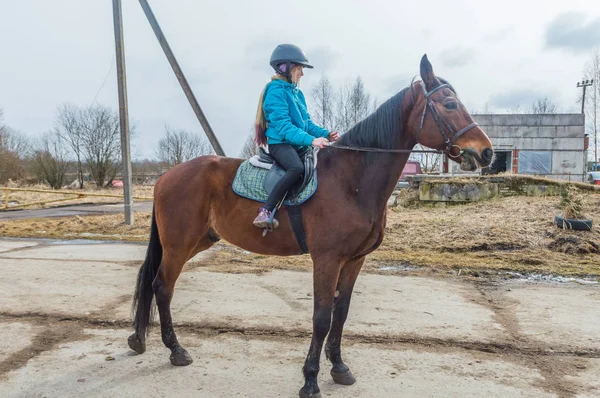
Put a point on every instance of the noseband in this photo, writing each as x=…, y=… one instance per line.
x=444, y=127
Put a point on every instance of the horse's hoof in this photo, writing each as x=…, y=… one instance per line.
x=305, y=395
x=344, y=378
x=136, y=344
x=180, y=357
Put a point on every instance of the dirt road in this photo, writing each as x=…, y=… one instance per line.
x=65, y=317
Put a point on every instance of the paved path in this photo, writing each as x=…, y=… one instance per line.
x=80, y=210
x=65, y=317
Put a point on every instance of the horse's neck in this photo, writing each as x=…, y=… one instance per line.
x=379, y=179
x=374, y=181
x=370, y=183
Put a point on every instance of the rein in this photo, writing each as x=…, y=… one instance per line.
x=367, y=149
x=440, y=121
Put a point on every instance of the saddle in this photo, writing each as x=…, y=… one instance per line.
x=308, y=156
x=276, y=172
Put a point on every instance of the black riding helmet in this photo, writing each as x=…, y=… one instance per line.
x=288, y=54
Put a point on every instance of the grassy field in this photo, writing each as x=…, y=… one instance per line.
x=502, y=234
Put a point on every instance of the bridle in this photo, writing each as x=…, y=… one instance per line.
x=444, y=127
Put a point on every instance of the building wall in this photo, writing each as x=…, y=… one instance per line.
x=562, y=135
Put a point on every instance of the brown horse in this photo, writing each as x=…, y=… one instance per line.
x=195, y=206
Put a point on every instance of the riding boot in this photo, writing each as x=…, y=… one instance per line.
x=263, y=220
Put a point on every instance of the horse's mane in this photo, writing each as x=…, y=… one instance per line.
x=382, y=129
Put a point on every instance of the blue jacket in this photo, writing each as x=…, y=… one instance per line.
x=286, y=116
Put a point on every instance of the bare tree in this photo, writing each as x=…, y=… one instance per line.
x=50, y=159
x=516, y=109
x=592, y=101
x=250, y=148
x=101, y=143
x=487, y=110
x=544, y=106
x=359, y=100
x=353, y=105
x=13, y=149
x=69, y=125
x=324, y=98
x=13, y=141
x=178, y=146
x=343, y=114
x=145, y=171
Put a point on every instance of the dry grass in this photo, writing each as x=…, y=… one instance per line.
x=21, y=197
x=105, y=227
x=515, y=233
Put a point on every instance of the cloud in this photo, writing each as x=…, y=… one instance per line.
x=499, y=35
x=322, y=57
x=517, y=97
x=572, y=31
x=392, y=84
x=258, y=52
x=457, y=56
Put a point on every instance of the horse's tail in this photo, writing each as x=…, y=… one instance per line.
x=142, y=299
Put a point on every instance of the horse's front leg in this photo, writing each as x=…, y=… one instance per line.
x=326, y=272
x=340, y=372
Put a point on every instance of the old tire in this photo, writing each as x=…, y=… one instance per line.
x=566, y=223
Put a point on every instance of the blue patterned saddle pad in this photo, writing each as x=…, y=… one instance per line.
x=249, y=183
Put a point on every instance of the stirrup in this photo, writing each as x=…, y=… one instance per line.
x=269, y=227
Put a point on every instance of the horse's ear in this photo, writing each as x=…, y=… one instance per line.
x=427, y=74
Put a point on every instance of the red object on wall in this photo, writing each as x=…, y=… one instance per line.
x=515, y=167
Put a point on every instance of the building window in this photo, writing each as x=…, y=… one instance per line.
x=535, y=162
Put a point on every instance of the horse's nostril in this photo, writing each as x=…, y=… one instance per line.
x=487, y=155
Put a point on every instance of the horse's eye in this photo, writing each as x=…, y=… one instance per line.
x=451, y=106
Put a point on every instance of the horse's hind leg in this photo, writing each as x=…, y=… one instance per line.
x=340, y=372
x=164, y=286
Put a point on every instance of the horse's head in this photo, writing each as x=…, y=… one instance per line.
x=442, y=122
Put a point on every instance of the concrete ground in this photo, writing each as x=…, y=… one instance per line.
x=65, y=318
x=72, y=210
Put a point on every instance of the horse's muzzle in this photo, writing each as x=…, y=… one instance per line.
x=472, y=160
x=472, y=156
x=486, y=157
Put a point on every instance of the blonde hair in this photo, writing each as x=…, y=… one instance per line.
x=260, y=123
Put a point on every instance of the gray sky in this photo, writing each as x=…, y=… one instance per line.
x=502, y=53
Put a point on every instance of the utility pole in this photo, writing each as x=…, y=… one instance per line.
x=584, y=84
x=123, y=113
x=181, y=77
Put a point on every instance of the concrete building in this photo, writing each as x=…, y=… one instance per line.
x=549, y=145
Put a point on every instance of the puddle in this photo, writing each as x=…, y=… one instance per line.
x=399, y=267
x=80, y=242
x=519, y=277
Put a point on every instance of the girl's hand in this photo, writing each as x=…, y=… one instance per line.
x=320, y=142
x=334, y=136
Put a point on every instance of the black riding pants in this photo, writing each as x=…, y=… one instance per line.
x=287, y=156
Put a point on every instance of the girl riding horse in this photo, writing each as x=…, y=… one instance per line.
x=284, y=125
